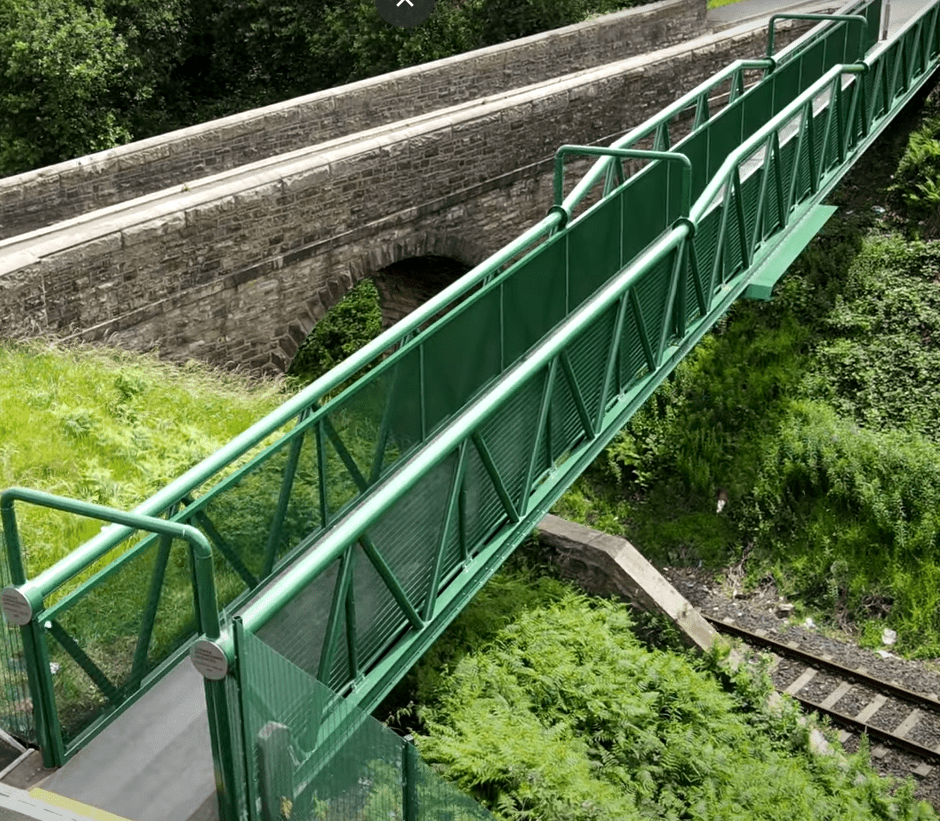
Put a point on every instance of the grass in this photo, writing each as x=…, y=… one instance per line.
x=112, y=428
x=717, y=4
x=109, y=427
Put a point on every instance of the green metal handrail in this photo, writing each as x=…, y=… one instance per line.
x=697, y=285
x=24, y=604
x=620, y=153
x=724, y=177
x=366, y=514
x=92, y=550
x=697, y=98
x=848, y=121
x=845, y=18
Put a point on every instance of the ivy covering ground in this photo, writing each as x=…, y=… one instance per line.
x=543, y=704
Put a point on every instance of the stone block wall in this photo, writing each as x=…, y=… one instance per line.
x=237, y=272
x=48, y=195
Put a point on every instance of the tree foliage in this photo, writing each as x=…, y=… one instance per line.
x=62, y=84
x=78, y=76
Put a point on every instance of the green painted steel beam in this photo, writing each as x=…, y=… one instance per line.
x=775, y=265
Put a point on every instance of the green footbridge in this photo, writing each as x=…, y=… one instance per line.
x=309, y=563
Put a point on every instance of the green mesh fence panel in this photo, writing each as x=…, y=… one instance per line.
x=471, y=337
x=535, y=297
x=509, y=438
x=311, y=756
x=16, y=709
x=298, y=632
x=106, y=639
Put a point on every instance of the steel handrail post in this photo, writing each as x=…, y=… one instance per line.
x=623, y=153
x=843, y=18
x=206, y=600
x=643, y=129
x=28, y=598
x=11, y=535
x=37, y=675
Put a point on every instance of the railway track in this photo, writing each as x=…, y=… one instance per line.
x=892, y=716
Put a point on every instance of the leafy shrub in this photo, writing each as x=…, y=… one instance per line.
x=917, y=181
x=559, y=712
x=858, y=511
x=355, y=320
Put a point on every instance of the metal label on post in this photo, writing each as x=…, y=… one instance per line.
x=209, y=659
x=16, y=607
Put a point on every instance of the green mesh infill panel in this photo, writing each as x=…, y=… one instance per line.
x=16, y=709
x=310, y=756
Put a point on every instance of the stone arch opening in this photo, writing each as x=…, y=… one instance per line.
x=409, y=283
x=369, y=304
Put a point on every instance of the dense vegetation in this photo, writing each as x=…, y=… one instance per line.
x=817, y=414
x=78, y=76
x=544, y=704
x=109, y=427
x=355, y=320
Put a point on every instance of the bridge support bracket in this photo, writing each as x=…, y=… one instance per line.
x=782, y=257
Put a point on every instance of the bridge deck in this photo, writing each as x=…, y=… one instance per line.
x=154, y=763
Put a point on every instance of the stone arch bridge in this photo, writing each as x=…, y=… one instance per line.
x=226, y=242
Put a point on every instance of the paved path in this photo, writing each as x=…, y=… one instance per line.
x=154, y=763
x=758, y=10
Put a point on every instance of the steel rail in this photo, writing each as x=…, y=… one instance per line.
x=847, y=673
x=869, y=680
x=885, y=736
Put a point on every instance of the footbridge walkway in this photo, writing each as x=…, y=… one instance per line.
x=309, y=563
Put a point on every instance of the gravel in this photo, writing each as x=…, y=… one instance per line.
x=758, y=611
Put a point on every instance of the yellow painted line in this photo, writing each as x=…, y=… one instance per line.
x=77, y=807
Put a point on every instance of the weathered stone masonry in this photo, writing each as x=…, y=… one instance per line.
x=239, y=270
x=38, y=198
